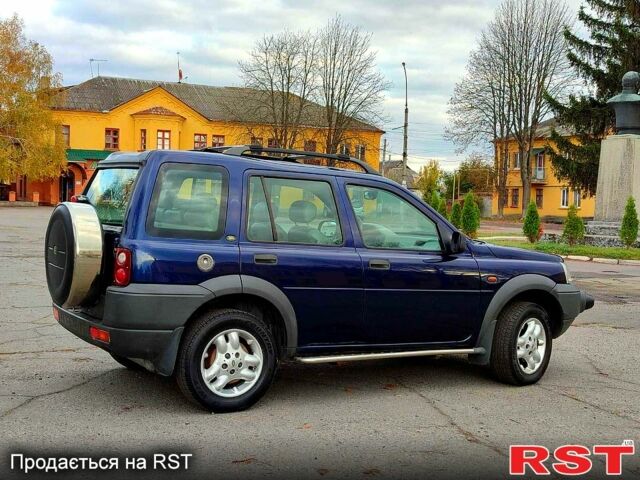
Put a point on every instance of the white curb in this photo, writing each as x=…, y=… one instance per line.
x=579, y=258
x=629, y=262
x=611, y=261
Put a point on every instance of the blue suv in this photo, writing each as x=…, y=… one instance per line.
x=215, y=265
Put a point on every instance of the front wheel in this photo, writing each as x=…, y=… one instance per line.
x=227, y=360
x=521, y=344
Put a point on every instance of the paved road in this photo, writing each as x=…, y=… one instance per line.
x=414, y=418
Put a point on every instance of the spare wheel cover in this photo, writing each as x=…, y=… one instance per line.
x=73, y=253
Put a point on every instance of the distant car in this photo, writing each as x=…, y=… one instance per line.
x=215, y=265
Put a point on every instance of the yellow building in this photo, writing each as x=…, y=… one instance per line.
x=107, y=114
x=551, y=195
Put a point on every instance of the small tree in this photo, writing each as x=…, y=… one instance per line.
x=531, y=226
x=442, y=208
x=470, y=216
x=434, y=201
x=629, y=227
x=573, y=226
x=456, y=215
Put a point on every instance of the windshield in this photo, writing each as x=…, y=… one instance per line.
x=109, y=193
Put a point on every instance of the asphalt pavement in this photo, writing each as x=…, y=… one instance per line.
x=410, y=418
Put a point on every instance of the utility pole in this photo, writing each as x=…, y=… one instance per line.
x=406, y=126
x=453, y=190
x=384, y=154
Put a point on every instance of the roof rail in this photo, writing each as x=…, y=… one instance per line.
x=290, y=155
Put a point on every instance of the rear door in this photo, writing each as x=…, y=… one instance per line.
x=414, y=293
x=295, y=236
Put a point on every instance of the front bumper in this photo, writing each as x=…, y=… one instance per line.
x=154, y=349
x=573, y=301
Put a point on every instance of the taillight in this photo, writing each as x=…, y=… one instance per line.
x=122, y=267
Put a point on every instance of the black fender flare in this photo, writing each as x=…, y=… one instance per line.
x=502, y=297
x=247, y=284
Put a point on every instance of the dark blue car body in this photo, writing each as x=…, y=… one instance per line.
x=327, y=297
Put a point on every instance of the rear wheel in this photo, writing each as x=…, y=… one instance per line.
x=521, y=344
x=227, y=360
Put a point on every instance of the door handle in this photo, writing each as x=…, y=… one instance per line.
x=265, y=259
x=379, y=264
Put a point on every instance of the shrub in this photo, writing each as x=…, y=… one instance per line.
x=470, y=216
x=531, y=226
x=629, y=227
x=456, y=215
x=442, y=208
x=573, y=226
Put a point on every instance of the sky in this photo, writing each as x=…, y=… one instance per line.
x=140, y=38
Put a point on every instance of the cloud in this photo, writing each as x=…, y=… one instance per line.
x=140, y=39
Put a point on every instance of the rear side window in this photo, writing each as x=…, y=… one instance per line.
x=189, y=201
x=109, y=192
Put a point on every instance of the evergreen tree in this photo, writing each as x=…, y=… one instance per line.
x=442, y=208
x=629, y=227
x=612, y=49
x=456, y=215
x=470, y=216
x=531, y=225
x=434, y=201
x=573, y=226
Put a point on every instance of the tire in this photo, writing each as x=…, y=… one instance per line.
x=125, y=362
x=73, y=254
x=512, y=339
x=199, y=355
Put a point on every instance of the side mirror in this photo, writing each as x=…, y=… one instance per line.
x=455, y=243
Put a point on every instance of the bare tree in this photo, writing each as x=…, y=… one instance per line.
x=281, y=74
x=350, y=86
x=526, y=38
x=480, y=112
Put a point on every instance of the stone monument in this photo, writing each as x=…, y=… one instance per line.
x=619, y=170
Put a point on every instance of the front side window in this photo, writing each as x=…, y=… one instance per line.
x=164, y=140
x=287, y=210
x=109, y=193
x=189, y=201
x=386, y=220
x=564, y=198
x=199, y=141
x=111, y=138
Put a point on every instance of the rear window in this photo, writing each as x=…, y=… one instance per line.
x=110, y=191
x=189, y=201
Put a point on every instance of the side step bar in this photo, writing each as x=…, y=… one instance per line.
x=355, y=357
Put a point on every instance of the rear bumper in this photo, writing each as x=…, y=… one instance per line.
x=155, y=349
x=573, y=301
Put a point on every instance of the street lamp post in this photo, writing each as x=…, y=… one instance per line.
x=406, y=126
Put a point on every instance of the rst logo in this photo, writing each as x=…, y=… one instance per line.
x=567, y=459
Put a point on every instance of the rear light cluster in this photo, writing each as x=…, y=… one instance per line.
x=122, y=267
x=99, y=335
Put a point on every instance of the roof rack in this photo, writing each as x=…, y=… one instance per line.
x=255, y=151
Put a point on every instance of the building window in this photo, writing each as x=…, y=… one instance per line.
x=360, y=152
x=66, y=133
x=111, y=138
x=577, y=198
x=164, y=139
x=199, y=140
x=516, y=161
x=344, y=149
x=256, y=141
x=217, y=140
x=539, y=172
x=564, y=198
x=515, y=197
x=272, y=143
x=310, y=146
x=539, y=194
x=143, y=139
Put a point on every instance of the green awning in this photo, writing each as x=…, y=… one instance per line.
x=82, y=155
